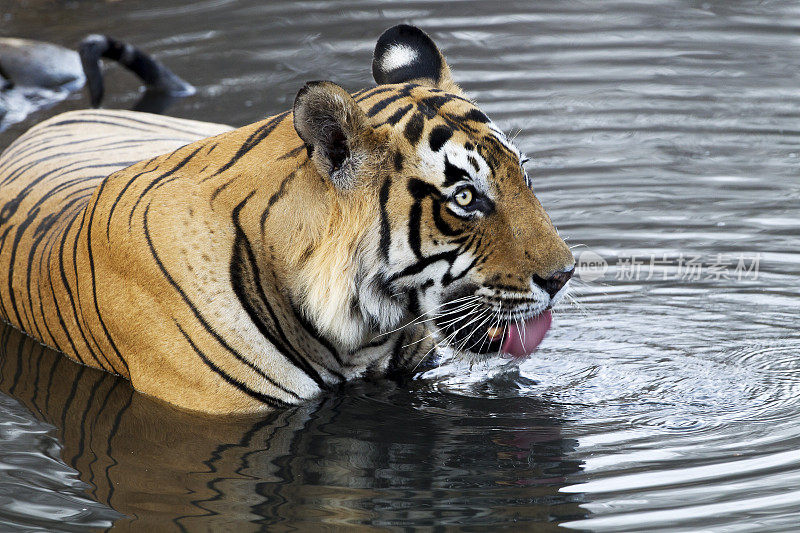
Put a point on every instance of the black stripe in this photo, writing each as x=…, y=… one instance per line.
x=37, y=139
x=277, y=195
x=71, y=396
x=91, y=154
x=420, y=189
x=5, y=335
x=52, y=238
x=61, y=322
x=254, y=139
x=380, y=340
x=75, y=121
x=14, y=153
x=438, y=136
x=430, y=106
x=393, y=368
x=293, y=152
x=458, y=122
x=122, y=192
x=40, y=232
x=386, y=238
x=3, y=237
x=381, y=105
x=108, y=396
x=269, y=421
x=461, y=240
x=33, y=213
x=498, y=146
x=53, y=342
x=49, y=387
x=314, y=333
x=10, y=207
x=413, y=129
x=83, y=320
x=12, y=261
x=413, y=303
x=476, y=115
x=449, y=278
x=166, y=124
x=474, y=163
x=26, y=164
x=82, y=418
x=453, y=174
x=251, y=142
x=398, y=115
x=425, y=262
x=260, y=396
x=440, y=222
x=20, y=358
x=486, y=155
x=372, y=92
x=59, y=188
x=414, y=223
x=89, y=229
x=155, y=181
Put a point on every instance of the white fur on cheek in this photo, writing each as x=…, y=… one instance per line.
x=461, y=264
x=398, y=56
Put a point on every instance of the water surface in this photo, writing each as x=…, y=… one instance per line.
x=664, y=141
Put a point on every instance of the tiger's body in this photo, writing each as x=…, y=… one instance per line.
x=63, y=268
x=237, y=270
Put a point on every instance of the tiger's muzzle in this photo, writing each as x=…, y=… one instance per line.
x=484, y=320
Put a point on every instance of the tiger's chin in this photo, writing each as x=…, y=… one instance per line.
x=516, y=338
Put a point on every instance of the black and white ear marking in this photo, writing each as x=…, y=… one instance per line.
x=334, y=129
x=405, y=53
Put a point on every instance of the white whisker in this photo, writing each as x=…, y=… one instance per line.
x=417, y=319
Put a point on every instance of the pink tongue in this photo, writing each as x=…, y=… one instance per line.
x=521, y=342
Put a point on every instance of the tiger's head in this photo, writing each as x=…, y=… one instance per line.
x=449, y=228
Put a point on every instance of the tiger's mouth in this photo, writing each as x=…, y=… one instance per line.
x=515, y=336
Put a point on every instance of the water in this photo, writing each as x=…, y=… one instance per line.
x=664, y=398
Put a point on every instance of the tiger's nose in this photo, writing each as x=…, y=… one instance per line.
x=554, y=283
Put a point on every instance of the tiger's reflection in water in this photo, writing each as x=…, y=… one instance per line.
x=380, y=456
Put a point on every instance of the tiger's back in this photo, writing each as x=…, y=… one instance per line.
x=48, y=177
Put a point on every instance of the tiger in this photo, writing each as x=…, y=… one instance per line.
x=244, y=270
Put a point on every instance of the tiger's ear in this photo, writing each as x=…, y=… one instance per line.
x=406, y=54
x=336, y=131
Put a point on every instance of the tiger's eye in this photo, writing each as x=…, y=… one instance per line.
x=464, y=197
